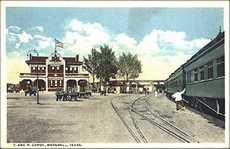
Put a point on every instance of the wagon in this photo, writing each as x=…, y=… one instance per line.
x=30, y=92
x=66, y=96
x=84, y=94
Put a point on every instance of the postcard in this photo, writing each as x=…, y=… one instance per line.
x=130, y=74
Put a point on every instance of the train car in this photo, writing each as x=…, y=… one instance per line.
x=175, y=82
x=203, y=77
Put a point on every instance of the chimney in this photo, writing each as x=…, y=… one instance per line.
x=77, y=58
x=30, y=56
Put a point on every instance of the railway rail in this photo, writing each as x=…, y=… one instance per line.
x=135, y=131
x=131, y=131
x=154, y=119
x=161, y=123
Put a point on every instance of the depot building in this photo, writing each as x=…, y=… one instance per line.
x=54, y=72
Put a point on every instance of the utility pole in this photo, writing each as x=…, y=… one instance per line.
x=37, y=91
x=37, y=85
x=37, y=79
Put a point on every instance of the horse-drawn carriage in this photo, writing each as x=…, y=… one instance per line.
x=31, y=91
x=71, y=94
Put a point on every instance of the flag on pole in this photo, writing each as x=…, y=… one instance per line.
x=58, y=44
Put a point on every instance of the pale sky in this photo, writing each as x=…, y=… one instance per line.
x=163, y=38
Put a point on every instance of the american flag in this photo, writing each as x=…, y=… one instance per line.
x=58, y=44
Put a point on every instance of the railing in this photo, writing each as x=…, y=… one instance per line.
x=33, y=74
x=28, y=75
x=76, y=74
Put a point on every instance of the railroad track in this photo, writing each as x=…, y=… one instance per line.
x=153, y=118
x=135, y=132
x=161, y=123
x=143, y=138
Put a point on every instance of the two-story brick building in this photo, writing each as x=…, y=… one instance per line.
x=54, y=72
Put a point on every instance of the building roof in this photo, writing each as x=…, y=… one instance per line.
x=42, y=60
x=72, y=60
x=37, y=59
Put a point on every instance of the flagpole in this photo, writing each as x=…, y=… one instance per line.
x=55, y=45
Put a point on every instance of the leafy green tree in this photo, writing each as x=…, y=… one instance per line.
x=107, y=64
x=91, y=64
x=129, y=67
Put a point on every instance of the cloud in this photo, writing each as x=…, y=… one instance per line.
x=160, y=51
x=39, y=28
x=161, y=67
x=44, y=42
x=81, y=37
x=16, y=36
x=24, y=37
x=14, y=29
x=149, y=45
x=21, y=40
x=124, y=39
x=123, y=43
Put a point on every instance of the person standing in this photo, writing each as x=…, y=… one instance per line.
x=178, y=99
x=156, y=93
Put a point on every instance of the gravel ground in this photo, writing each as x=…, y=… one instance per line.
x=93, y=120
x=87, y=121
x=204, y=128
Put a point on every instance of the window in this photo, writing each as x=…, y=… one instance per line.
x=66, y=68
x=38, y=68
x=195, y=75
x=220, y=66
x=210, y=69
x=75, y=68
x=55, y=82
x=52, y=68
x=202, y=73
x=189, y=77
x=33, y=68
x=70, y=68
x=43, y=68
x=57, y=67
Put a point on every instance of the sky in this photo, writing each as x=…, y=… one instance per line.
x=163, y=38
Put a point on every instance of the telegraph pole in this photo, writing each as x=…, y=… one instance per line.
x=37, y=89
x=37, y=78
x=37, y=85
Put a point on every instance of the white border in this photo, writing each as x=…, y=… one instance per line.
x=112, y=4
x=226, y=28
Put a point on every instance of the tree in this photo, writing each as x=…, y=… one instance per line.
x=107, y=64
x=129, y=66
x=91, y=64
